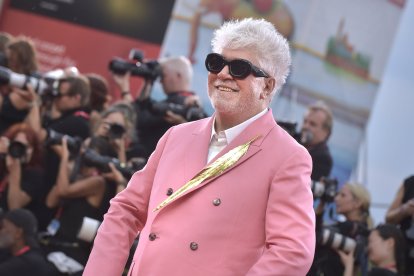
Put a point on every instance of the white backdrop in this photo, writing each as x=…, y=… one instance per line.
x=387, y=157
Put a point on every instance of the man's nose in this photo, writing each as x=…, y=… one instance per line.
x=224, y=73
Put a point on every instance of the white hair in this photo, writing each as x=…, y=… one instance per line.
x=179, y=64
x=261, y=37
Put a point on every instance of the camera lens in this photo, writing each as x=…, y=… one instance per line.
x=116, y=131
x=17, y=149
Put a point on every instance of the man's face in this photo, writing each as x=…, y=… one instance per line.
x=313, y=125
x=238, y=99
x=65, y=101
x=7, y=234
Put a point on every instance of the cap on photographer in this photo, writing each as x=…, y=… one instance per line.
x=314, y=135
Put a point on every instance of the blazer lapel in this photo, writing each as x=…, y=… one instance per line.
x=259, y=128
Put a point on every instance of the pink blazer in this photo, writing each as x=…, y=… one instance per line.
x=257, y=218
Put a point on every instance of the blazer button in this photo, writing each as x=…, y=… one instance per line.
x=193, y=246
x=170, y=191
x=217, y=202
x=152, y=236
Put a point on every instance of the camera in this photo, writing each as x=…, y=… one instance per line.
x=42, y=85
x=337, y=241
x=17, y=150
x=147, y=70
x=91, y=158
x=348, y=236
x=116, y=131
x=325, y=189
x=190, y=113
x=55, y=138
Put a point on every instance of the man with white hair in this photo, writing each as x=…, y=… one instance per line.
x=181, y=105
x=226, y=195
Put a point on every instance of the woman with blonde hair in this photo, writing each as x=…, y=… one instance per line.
x=352, y=202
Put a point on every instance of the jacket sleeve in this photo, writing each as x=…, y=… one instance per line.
x=125, y=218
x=290, y=221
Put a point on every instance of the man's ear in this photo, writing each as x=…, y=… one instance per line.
x=269, y=85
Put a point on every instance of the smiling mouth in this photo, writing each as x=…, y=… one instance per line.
x=225, y=89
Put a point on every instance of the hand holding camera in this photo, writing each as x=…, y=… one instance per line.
x=62, y=150
x=14, y=153
x=114, y=175
x=348, y=260
x=56, y=138
x=174, y=118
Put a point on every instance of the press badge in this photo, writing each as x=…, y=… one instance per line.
x=53, y=227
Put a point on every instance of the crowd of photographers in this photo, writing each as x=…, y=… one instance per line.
x=348, y=243
x=66, y=149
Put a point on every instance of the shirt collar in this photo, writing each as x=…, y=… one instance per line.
x=232, y=133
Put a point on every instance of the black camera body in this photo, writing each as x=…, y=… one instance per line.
x=17, y=150
x=190, y=113
x=147, y=70
x=55, y=138
x=116, y=131
x=91, y=158
x=325, y=189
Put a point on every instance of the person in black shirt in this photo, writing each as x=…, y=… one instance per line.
x=401, y=213
x=353, y=202
x=385, y=251
x=154, y=118
x=67, y=116
x=18, y=235
x=314, y=135
x=21, y=171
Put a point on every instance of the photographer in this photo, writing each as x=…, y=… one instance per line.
x=15, y=103
x=314, y=135
x=21, y=172
x=353, y=203
x=155, y=118
x=385, y=251
x=117, y=127
x=18, y=235
x=401, y=213
x=80, y=191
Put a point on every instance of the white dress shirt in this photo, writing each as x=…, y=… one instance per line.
x=221, y=139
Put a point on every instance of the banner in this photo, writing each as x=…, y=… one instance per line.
x=88, y=34
x=339, y=53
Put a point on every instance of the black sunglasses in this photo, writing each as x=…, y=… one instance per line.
x=238, y=68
